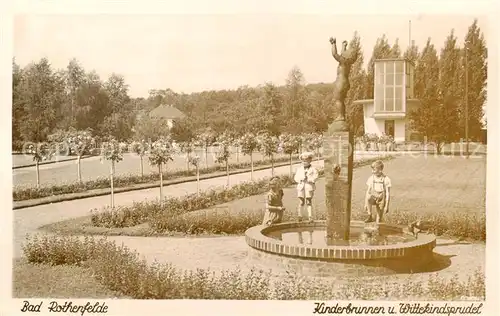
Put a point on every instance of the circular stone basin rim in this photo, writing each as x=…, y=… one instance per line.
x=256, y=238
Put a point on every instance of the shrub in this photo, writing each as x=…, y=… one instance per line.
x=214, y=221
x=141, y=212
x=121, y=270
x=56, y=250
x=21, y=193
x=458, y=224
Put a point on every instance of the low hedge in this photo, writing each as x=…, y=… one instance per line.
x=22, y=193
x=152, y=211
x=158, y=216
x=121, y=270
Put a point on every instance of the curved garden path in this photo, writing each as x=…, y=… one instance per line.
x=216, y=253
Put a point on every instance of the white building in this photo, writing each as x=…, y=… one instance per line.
x=393, y=100
x=168, y=113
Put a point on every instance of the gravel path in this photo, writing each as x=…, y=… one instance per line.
x=223, y=253
x=28, y=220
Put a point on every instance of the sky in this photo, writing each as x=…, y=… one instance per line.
x=197, y=52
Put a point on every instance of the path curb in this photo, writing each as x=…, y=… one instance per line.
x=50, y=162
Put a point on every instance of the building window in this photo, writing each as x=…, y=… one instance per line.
x=389, y=85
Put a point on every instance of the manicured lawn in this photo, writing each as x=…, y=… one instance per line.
x=63, y=281
x=432, y=185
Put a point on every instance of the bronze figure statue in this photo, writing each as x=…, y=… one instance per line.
x=341, y=85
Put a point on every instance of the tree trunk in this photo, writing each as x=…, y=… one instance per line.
x=112, y=171
x=227, y=172
x=291, y=171
x=438, y=147
x=251, y=166
x=37, y=173
x=197, y=180
x=161, y=184
x=142, y=168
x=79, y=169
x=272, y=165
x=237, y=155
x=206, y=157
x=188, y=166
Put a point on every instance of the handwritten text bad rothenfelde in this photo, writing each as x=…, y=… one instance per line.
x=67, y=307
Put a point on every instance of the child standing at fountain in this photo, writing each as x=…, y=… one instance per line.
x=274, y=203
x=378, y=192
x=306, y=177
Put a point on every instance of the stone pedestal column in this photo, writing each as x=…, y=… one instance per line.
x=338, y=147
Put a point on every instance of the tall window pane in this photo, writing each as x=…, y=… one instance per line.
x=399, y=79
x=389, y=105
x=379, y=105
x=379, y=92
x=379, y=68
x=399, y=92
x=389, y=92
x=380, y=79
x=389, y=67
x=389, y=79
x=398, y=105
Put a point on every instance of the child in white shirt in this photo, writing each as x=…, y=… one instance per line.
x=378, y=192
x=306, y=177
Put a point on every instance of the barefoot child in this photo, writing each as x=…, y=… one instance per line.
x=274, y=203
x=378, y=192
x=306, y=177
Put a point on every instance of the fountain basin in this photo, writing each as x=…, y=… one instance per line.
x=389, y=250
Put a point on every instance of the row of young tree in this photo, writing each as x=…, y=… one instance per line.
x=164, y=148
x=47, y=100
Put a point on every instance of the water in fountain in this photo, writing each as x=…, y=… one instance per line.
x=360, y=236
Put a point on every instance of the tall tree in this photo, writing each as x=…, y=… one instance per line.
x=92, y=103
x=119, y=123
x=411, y=54
x=477, y=68
x=381, y=50
x=74, y=78
x=427, y=73
x=357, y=78
x=435, y=117
x=450, y=86
x=40, y=94
x=295, y=93
x=270, y=109
x=17, y=106
x=395, y=51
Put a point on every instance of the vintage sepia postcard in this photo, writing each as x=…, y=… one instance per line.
x=250, y=157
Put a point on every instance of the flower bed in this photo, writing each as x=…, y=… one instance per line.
x=121, y=270
x=22, y=193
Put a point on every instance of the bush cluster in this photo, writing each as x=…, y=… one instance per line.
x=153, y=212
x=22, y=193
x=121, y=270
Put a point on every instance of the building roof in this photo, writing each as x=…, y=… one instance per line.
x=394, y=59
x=166, y=112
